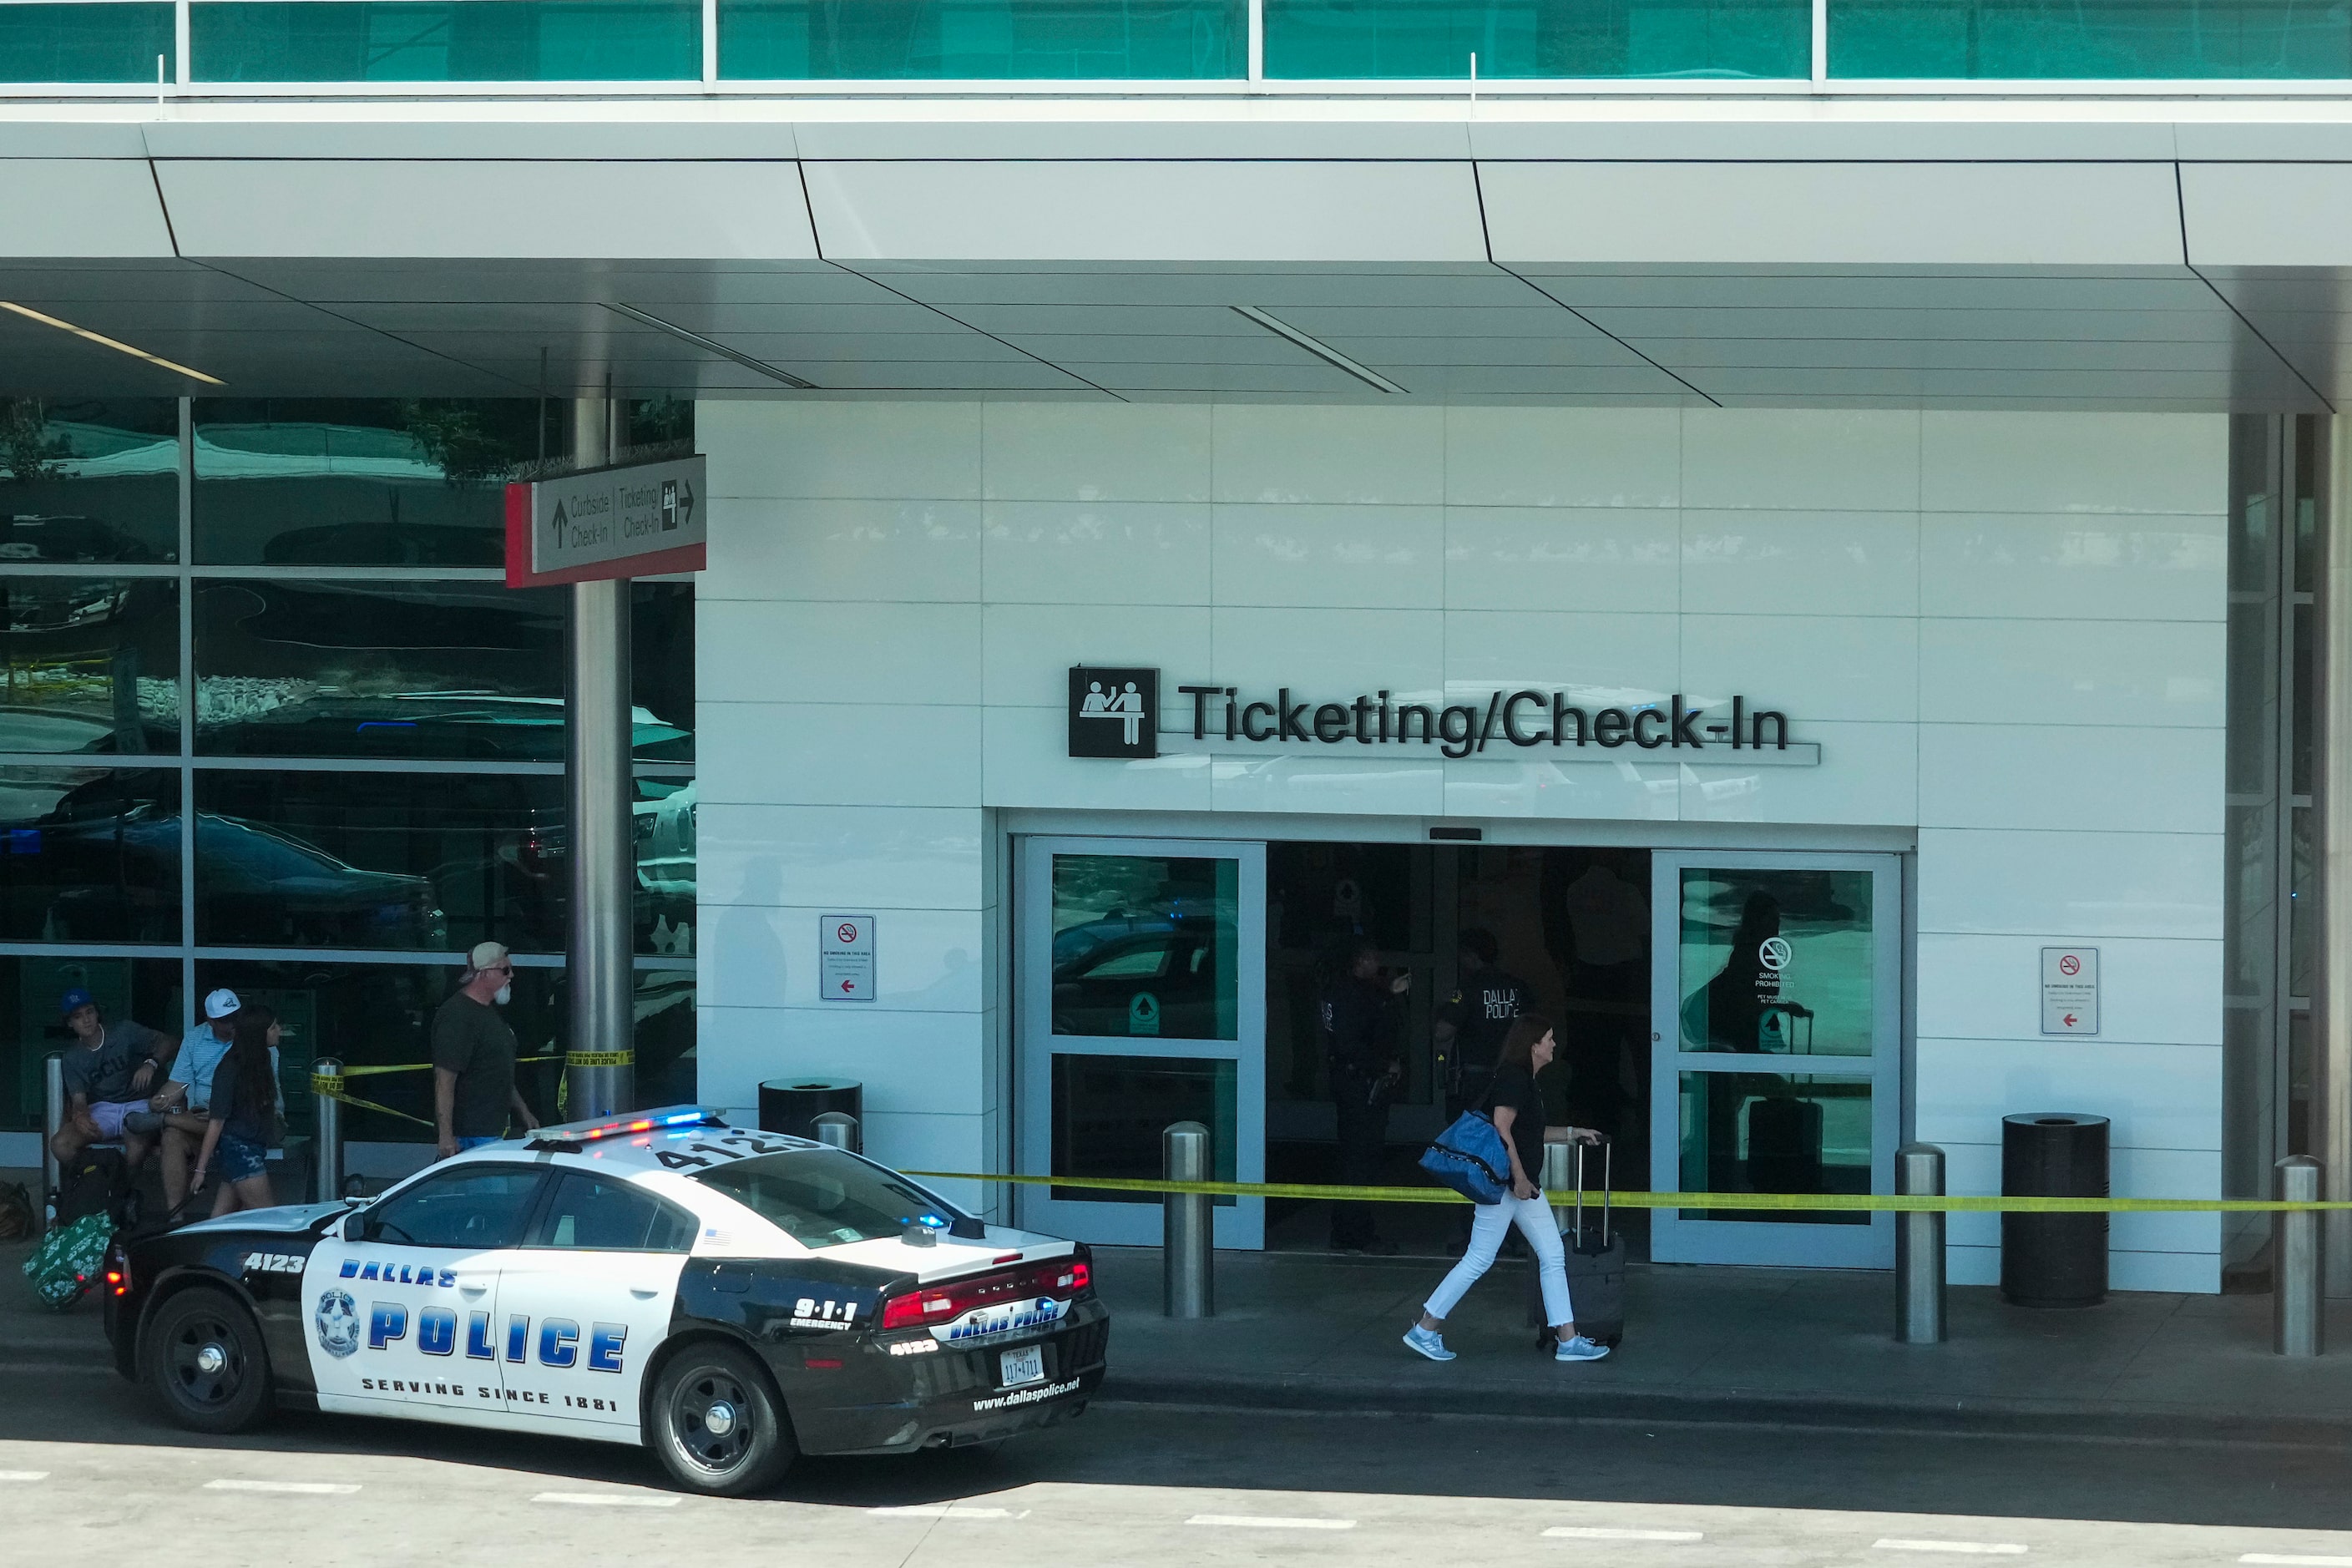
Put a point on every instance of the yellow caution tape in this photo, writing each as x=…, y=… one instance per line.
x=600, y=1058
x=1802, y=1202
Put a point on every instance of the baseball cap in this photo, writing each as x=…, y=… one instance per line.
x=221, y=1003
x=75, y=999
x=485, y=954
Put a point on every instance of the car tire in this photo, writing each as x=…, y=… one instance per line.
x=205, y=1360
x=717, y=1424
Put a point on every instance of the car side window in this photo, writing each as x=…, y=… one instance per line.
x=479, y=1206
x=598, y=1214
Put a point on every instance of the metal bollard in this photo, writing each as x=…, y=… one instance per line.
x=1558, y=1175
x=1919, y=1248
x=2299, y=1263
x=53, y=1117
x=1186, y=1234
x=840, y=1130
x=327, y=1132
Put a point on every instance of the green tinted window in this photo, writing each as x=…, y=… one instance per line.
x=2090, y=40
x=981, y=40
x=1345, y=38
x=84, y=43
x=471, y=40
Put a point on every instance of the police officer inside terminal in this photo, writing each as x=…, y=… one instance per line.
x=1360, y=1044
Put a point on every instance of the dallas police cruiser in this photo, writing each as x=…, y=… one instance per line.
x=727, y=1299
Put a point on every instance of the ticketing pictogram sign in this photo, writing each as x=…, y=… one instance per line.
x=2070, y=990
x=844, y=963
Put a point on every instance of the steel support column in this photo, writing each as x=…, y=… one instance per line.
x=601, y=1070
x=2331, y=1131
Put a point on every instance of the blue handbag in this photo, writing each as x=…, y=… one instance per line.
x=1469, y=1157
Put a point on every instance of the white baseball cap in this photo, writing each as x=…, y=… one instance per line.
x=485, y=954
x=221, y=1003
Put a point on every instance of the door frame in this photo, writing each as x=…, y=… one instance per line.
x=1674, y=1239
x=1239, y=1224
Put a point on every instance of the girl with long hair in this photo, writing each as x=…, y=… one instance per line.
x=1516, y=1105
x=241, y=1126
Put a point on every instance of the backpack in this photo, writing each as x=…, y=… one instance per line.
x=68, y=1263
x=93, y=1182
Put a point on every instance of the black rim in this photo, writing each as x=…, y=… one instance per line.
x=204, y=1363
x=711, y=1414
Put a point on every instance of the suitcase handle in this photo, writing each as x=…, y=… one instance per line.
x=1608, y=1184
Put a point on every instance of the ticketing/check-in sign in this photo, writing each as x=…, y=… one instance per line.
x=637, y=520
x=845, y=958
x=2070, y=990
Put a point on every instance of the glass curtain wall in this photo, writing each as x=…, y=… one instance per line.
x=271, y=719
x=2268, y=909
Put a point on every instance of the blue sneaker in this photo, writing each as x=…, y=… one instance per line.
x=1580, y=1349
x=1431, y=1343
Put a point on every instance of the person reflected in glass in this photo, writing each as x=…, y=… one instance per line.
x=1360, y=1040
x=1515, y=1103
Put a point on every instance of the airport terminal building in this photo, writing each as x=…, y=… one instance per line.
x=1807, y=522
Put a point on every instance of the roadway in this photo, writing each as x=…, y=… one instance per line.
x=88, y=1471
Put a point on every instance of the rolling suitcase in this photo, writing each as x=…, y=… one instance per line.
x=1595, y=1254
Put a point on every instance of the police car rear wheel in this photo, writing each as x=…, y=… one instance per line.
x=207, y=1363
x=718, y=1426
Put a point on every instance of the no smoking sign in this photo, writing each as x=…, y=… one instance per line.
x=2070, y=990
x=845, y=958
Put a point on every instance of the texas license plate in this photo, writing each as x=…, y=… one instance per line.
x=1023, y=1366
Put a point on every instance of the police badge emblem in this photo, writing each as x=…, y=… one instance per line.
x=337, y=1320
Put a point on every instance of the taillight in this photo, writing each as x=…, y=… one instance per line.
x=1063, y=1276
x=118, y=1273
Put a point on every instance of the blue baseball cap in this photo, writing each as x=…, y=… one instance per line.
x=74, y=1000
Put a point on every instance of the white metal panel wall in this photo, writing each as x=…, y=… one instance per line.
x=2005, y=630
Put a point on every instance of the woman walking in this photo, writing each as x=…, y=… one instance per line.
x=1518, y=1107
x=241, y=1124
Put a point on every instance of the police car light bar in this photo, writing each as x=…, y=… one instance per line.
x=669, y=1116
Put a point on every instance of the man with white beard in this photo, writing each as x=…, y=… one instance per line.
x=474, y=1055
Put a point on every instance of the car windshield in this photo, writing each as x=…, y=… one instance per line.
x=821, y=1198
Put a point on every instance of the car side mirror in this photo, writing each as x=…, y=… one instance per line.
x=355, y=1226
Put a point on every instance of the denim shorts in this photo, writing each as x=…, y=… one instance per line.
x=235, y=1158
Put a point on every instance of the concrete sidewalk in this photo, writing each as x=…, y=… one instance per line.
x=1813, y=1347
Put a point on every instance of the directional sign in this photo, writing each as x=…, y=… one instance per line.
x=845, y=958
x=633, y=521
x=2070, y=990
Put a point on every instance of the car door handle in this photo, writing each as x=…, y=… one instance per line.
x=473, y=1287
x=645, y=1292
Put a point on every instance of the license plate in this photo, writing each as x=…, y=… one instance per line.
x=1023, y=1366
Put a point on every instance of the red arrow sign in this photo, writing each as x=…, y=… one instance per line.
x=851, y=985
x=2068, y=1020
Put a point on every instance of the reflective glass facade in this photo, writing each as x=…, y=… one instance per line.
x=307, y=744
x=503, y=41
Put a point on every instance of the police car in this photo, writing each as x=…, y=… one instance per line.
x=729, y=1299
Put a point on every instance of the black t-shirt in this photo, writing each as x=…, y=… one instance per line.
x=1516, y=1087
x=1482, y=1012
x=471, y=1040
x=234, y=1117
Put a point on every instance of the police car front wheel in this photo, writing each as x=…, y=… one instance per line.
x=207, y=1363
x=717, y=1424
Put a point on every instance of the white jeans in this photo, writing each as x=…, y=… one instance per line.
x=1488, y=1224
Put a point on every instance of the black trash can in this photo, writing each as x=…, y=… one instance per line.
x=793, y=1104
x=2053, y=1259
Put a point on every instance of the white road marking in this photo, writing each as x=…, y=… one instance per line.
x=947, y=1511
x=2290, y=1560
x=307, y=1489
x=1613, y=1533
x=1268, y=1521
x=605, y=1499
x=1977, y=1548
x=24, y=1475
